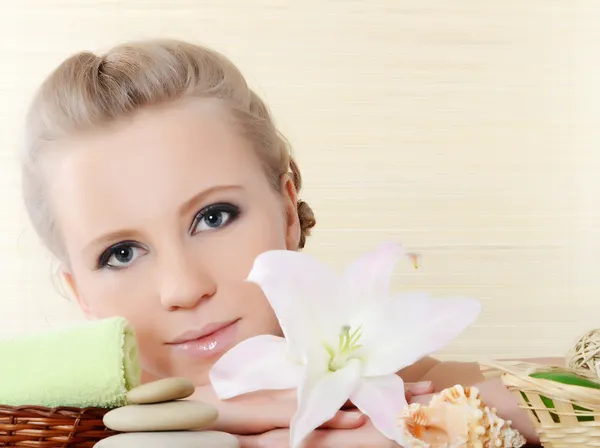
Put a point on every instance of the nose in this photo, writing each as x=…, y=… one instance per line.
x=184, y=283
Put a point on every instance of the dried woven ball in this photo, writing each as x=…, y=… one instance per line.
x=585, y=354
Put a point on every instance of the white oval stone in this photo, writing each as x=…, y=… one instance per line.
x=170, y=416
x=185, y=439
x=166, y=389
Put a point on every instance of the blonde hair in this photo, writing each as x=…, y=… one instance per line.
x=88, y=91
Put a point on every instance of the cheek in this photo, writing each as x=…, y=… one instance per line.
x=253, y=307
x=118, y=294
x=126, y=296
x=232, y=253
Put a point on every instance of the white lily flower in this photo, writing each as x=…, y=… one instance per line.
x=346, y=337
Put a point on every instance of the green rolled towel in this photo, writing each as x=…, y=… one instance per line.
x=87, y=365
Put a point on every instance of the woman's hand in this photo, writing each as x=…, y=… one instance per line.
x=415, y=390
x=260, y=412
x=264, y=411
x=364, y=437
x=495, y=395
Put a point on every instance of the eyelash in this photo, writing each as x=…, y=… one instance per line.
x=104, y=259
x=231, y=210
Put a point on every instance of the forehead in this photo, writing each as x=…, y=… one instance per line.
x=150, y=164
x=163, y=140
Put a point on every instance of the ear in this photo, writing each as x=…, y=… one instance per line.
x=85, y=307
x=290, y=198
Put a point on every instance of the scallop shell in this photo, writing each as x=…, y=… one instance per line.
x=455, y=418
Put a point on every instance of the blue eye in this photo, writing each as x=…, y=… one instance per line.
x=214, y=217
x=121, y=255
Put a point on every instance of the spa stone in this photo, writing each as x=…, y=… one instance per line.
x=170, y=416
x=166, y=389
x=185, y=439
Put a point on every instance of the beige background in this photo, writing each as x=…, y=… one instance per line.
x=466, y=129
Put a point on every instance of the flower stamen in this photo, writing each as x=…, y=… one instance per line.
x=347, y=347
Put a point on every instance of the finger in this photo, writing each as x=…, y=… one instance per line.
x=408, y=395
x=346, y=420
x=249, y=441
x=253, y=442
x=420, y=388
x=422, y=399
x=239, y=415
x=236, y=418
x=277, y=438
x=361, y=438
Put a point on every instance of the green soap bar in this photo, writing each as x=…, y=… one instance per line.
x=565, y=377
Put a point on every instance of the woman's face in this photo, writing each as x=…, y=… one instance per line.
x=162, y=217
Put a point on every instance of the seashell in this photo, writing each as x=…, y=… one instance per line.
x=455, y=418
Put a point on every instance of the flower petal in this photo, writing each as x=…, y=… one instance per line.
x=306, y=295
x=381, y=399
x=404, y=329
x=370, y=276
x=320, y=396
x=258, y=363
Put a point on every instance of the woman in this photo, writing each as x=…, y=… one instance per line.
x=156, y=176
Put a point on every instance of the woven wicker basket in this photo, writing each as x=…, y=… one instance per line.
x=565, y=416
x=62, y=427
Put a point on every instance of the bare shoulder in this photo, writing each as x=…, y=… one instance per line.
x=418, y=370
x=448, y=373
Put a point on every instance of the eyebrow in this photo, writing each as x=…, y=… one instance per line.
x=192, y=202
x=183, y=209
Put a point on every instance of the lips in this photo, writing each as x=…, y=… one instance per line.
x=207, y=343
x=203, y=333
